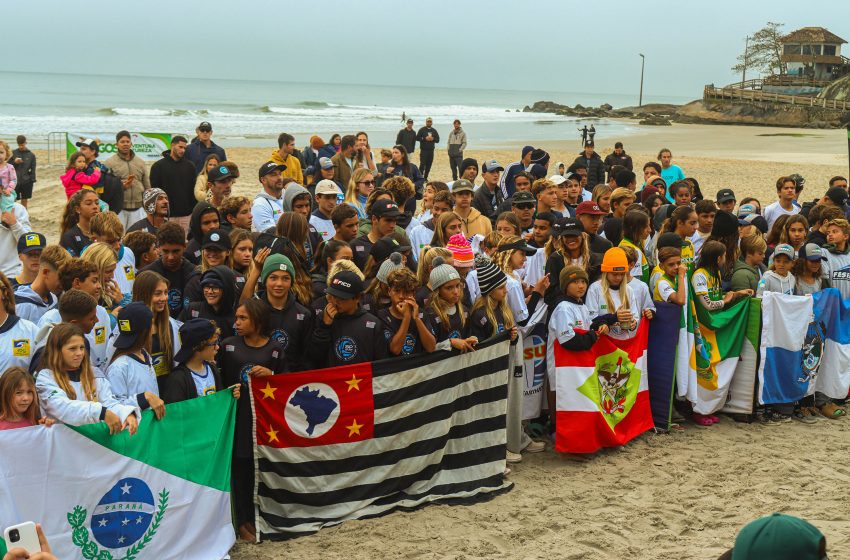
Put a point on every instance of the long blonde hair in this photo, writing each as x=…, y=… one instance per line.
x=489, y=305
x=340, y=265
x=351, y=190
x=441, y=307
x=143, y=289
x=623, y=290
x=52, y=358
x=102, y=256
x=502, y=259
x=428, y=256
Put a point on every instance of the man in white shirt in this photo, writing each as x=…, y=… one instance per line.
x=786, y=190
x=268, y=204
x=12, y=225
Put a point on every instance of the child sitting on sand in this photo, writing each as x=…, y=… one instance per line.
x=75, y=176
x=8, y=179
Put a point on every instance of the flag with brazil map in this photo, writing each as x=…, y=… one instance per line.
x=602, y=393
x=361, y=440
x=162, y=493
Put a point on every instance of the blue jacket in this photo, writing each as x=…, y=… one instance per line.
x=197, y=153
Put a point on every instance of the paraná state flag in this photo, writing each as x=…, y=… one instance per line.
x=161, y=493
x=602, y=393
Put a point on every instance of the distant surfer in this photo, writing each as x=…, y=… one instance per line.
x=403, y=117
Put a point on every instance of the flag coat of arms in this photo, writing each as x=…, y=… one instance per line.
x=126, y=497
x=602, y=393
x=361, y=440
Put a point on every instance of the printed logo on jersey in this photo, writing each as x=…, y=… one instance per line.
x=129, y=272
x=409, y=344
x=243, y=373
x=99, y=335
x=175, y=298
x=21, y=347
x=454, y=334
x=345, y=348
x=281, y=336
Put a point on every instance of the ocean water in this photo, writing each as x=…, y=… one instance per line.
x=253, y=113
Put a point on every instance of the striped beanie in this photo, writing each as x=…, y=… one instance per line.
x=461, y=251
x=441, y=273
x=490, y=276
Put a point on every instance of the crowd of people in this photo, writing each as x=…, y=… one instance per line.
x=179, y=288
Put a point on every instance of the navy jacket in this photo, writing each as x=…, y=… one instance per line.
x=197, y=153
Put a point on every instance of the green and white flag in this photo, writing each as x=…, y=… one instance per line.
x=162, y=493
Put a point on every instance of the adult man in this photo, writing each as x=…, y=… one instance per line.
x=428, y=138
x=407, y=137
x=456, y=145
x=176, y=175
x=284, y=156
x=344, y=160
x=522, y=182
x=268, y=204
x=523, y=204
x=590, y=215
x=24, y=162
x=155, y=204
x=488, y=197
x=786, y=190
x=328, y=195
x=133, y=172
x=594, y=163
x=220, y=181
x=203, y=146
x=91, y=149
x=384, y=215
x=468, y=170
x=506, y=184
x=618, y=157
x=726, y=200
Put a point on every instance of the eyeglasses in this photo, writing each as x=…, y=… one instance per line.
x=524, y=206
x=211, y=287
x=372, y=182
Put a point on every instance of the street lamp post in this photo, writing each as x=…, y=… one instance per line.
x=642, y=61
x=746, y=52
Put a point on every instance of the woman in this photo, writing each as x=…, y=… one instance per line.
x=75, y=234
x=201, y=191
x=152, y=289
x=360, y=186
x=400, y=165
x=363, y=157
x=242, y=256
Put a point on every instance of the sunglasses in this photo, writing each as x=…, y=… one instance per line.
x=524, y=205
x=366, y=182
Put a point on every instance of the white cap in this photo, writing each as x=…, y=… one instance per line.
x=327, y=186
x=558, y=179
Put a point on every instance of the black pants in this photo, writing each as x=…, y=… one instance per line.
x=426, y=158
x=242, y=489
x=454, y=164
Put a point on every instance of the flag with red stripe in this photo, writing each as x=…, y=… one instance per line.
x=602, y=393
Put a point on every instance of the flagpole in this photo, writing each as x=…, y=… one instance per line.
x=848, y=143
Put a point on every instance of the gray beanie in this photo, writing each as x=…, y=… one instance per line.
x=392, y=263
x=441, y=273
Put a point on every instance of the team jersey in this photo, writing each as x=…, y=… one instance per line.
x=17, y=343
x=641, y=269
x=597, y=305
x=99, y=338
x=664, y=288
x=125, y=271
x=130, y=377
x=706, y=283
x=566, y=318
x=205, y=384
x=412, y=342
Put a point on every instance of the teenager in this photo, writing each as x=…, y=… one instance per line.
x=472, y=221
x=75, y=234
x=34, y=300
x=17, y=336
x=235, y=213
x=30, y=246
x=445, y=311
x=747, y=272
x=786, y=191
x=205, y=217
x=152, y=289
x=143, y=246
x=219, y=292
x=215, y=251
x=173, y=266
x=327, y=195
x=384, y=214
x=706, y=210
x=405, y=327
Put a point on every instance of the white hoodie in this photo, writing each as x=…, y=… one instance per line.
x=10, y=265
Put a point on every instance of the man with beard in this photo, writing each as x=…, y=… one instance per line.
x=155, y=204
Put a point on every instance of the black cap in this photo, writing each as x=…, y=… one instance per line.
x=725, y=195
x=837, y=195
x=133, y=320
x=519, y=245
x=192, y=333
x=219, y=173
x=521, y=197
x=385, y=208
x=670, y=239
x=31, y=242
x=216, y=238
x=386, y=246
x=568, y=227
x=205, y=126
x=270, y=166
x=345, y=285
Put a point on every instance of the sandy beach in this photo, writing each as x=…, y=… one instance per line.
x=680, y=496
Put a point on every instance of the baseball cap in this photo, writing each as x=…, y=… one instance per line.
x=29, y=242
x=410, y=120
x=558, y=179
x=491, y=165
x=345, y=285
x=216, y=238
x=87, y=142
x=219, y=173
x=519, y=245
x=784, y=249
x=568, y=227
x=205, y=126
x=522, y=197
x=725, y=195
x=385, y=209
x=589, y=207
x=811, y=252
x=193, y=333
x=326, y=163
x=462, y=185
x=270, y=166
x=670, y=239
x=386, y=246
x=778, y=537
x=588, y=144
x=746, y=210
x=837, y=195
x=327, y=186
x=133, y=320
x=756, y=220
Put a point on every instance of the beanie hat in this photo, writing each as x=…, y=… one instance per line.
x=441, y=273
x=648, y=191
x=615, y=261
x=725, y=223
x=570, y=274
x=490, y=276
x=461, y=251
x=468, y=162
x=149, y=199
x=392, y=263
x=277, y=262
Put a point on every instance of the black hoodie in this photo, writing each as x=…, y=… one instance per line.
x=595, y=169
x=177, y=282
x=291, y=327
x=195, y=235
x=350, y=339
x=177, y=179
x=224, y=317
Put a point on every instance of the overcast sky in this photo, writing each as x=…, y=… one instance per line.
x=523, y=45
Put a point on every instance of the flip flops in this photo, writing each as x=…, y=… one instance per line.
x=703, y=419
x=832, y=411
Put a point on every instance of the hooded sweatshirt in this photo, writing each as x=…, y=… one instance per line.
x=98, y=339
x=289, y=193
x=772, y=282
x=193, y=249
x=350, y=339
x=476, y=224
x=265, y=211
x=177, y=179
x=177, y=279
x=224, y=317
x=745, y=276
x=293, y=167
x=291, y=327
x=17, y=342
x=30, y=306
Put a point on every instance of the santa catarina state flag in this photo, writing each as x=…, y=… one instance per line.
x=602, y=394
x=162, y=493
x=362, y=440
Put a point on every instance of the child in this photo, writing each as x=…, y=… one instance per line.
x=75, y=234
x=69, y=392
x=8, y=179
x=491, y=315
x=706, y=210
x=33, y=300
x=30, y=246
x=426, y=265
x=386, y=158
x=172, y=265
x=641, y=290
x=152, y=289
x=75, y=176
x=103, y=257
x=808, y=270
x=346, y=333
x=405, y=328
x=706, y=278
x=636, y=229
x=672, y=285
x=779, y=277
x=838, y=255
x=445, y=312
x=379, y=289
x=219, y=300
x=747, y=271
x=612, y=295
x=130, y=373
x=107, y=228
x=17, y=336
x=510, y=256
x=197, y=374
x=18, y=401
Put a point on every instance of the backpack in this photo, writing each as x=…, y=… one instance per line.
x=113, y=190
